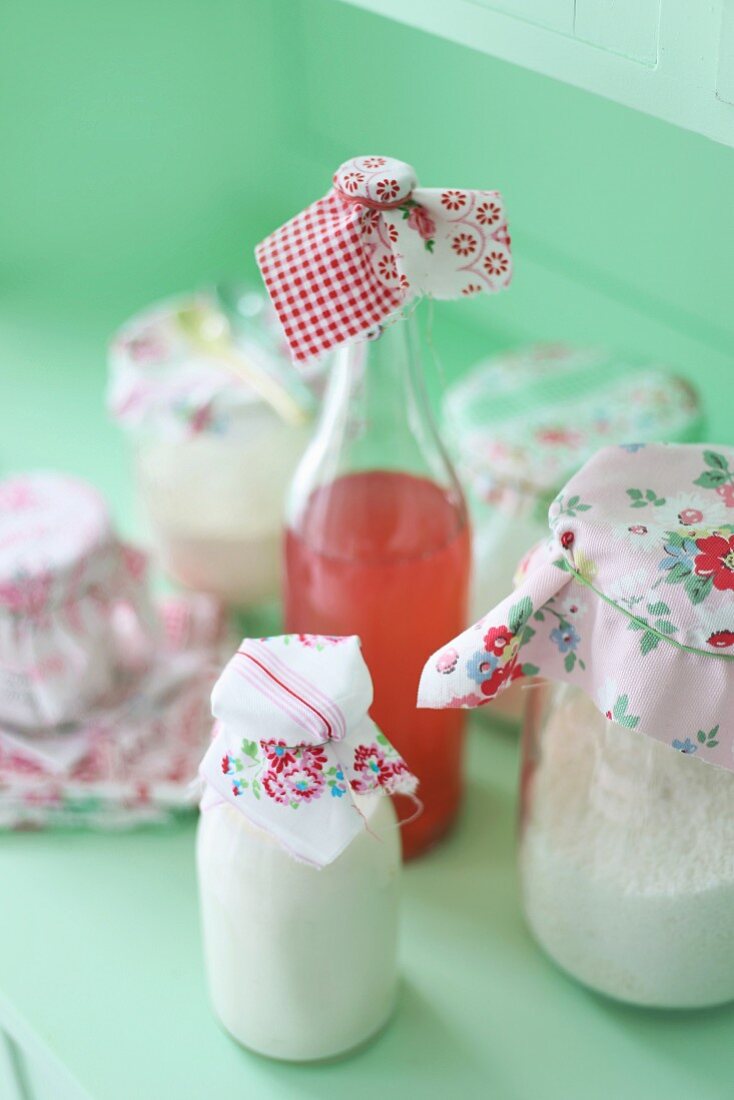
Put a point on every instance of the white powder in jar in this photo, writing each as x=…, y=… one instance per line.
x=215, y=505
x=627, y=861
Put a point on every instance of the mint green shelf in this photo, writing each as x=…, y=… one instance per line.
x=101, y=974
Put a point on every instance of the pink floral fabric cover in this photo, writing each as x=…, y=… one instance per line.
x=293, y=742
x=132, y=759
x=160, y=385
x=632, y=598
x=375, y=241
x=72, y=599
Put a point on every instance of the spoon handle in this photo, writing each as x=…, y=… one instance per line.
x=273, y=392
x=203, y=330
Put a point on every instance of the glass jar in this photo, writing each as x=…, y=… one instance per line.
x=626, y=855
x=214, y=504
x=378, y=544
x=212, y=459
x=301, y=961
x=522, y=422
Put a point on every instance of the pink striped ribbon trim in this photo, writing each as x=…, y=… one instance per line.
x=307, y=688
x=289, y=692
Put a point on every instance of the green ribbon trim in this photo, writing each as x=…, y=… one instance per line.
x=563, y=563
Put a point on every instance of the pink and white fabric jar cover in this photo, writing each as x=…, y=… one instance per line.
x=627, y=786
x=298, y=850
x=212, y=459
x=100, y=695
x=72, y=605
x=520, y=424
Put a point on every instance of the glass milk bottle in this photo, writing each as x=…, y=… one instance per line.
x=378, y=544
x=298, y=851
x=301, y=960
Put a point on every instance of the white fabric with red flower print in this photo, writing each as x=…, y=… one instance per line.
x=375, y=241
x=632, y=599
x=293, y=742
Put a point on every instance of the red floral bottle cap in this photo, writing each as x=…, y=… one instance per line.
x=380, y=182
x=374, y=242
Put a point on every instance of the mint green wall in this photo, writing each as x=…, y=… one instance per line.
x=622, y=225
x=145, y=147
x=136, y=143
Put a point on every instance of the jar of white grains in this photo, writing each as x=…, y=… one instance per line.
x=626, y=849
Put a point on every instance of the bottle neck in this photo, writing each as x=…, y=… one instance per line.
x=381, y=378
x=375, y=419
x=376, y=412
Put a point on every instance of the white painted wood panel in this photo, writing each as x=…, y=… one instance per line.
x=673, y=59
x=630, y=28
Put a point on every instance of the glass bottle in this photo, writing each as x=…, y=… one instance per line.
x=378, y=544
x=626, y=855
x=275, y=929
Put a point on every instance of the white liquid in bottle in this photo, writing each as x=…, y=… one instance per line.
x=301, y=961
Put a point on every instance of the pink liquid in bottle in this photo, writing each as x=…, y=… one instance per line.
x=386, y=555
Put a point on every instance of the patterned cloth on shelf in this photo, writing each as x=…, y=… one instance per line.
x=133, y=759
x=103, y=696
x=632, y=598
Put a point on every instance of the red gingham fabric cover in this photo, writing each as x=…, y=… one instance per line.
x=348, y=261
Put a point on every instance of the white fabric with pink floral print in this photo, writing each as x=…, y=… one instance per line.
x=294, y=742
x=632, y=599
x=373, y=243
x=131, y=759
x=162, y=386
x=73, y=603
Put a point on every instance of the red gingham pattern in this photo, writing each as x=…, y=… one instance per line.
x=349, y=260
x=320, y=279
